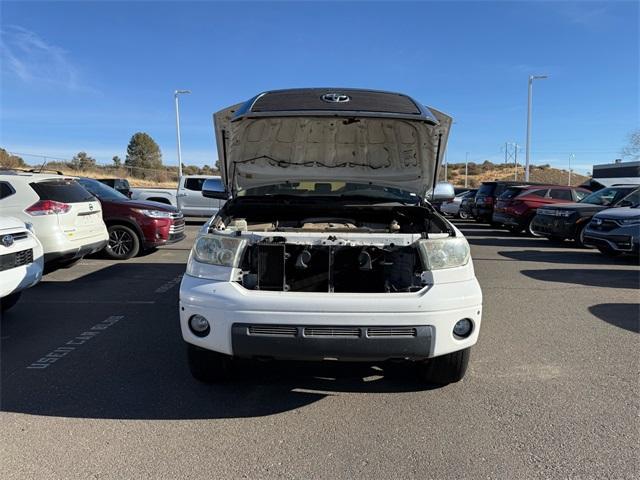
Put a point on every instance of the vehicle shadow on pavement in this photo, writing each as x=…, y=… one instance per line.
x=588, y=277
x=622, y=315
x=567, y=256
x=135, y=366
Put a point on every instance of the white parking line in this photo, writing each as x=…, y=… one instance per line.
x=74, y=343
x=169, y=285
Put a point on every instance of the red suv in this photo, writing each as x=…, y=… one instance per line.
x=134, y=225
x=517, y=205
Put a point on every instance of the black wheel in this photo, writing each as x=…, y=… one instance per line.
x=207, y=366
x=123, y=243
x=579, y=238
x=446, y=369
x=609, y=252
x=530, y=231
x=514, y=229
x=9, y=301
x=463, y=215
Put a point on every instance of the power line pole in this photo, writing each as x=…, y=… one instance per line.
x=515, y=162
x=506, y=152
x=175, y=96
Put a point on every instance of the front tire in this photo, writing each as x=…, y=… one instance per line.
x=123, y=243
x=9, y=301
x=463, y=215
x=207, y=366
x=579, y=238
x=446, y=369
x=530, y=230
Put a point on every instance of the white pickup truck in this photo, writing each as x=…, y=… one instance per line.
x=187, y=197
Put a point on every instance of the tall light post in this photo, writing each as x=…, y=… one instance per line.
x=529, y=101
x=571, y=157
x=175, y=96
x=466, y=170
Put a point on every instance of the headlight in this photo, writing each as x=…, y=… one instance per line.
x=625, y=222
x=445, y=252
x=154, y=213
x=555, y=213
x=218, y=250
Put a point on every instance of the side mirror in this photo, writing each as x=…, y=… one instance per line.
x=213, y=188
x=443, y=192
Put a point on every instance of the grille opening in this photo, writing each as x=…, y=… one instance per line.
x=273, y=330
x=332, y=332
x=392, y=332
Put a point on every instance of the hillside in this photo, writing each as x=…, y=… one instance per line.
x=489, y=171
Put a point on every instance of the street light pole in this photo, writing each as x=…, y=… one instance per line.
x=529, y=104
x=466, y=170
x=571, y=156
x=175, y=96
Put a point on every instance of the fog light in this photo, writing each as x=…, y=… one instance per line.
x=199, y=325
x=463, y=328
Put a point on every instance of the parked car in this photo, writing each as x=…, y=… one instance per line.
x=437, y=204
x=616, y=230
x=452, y=207
x=119, y=184
x=135, y=225
x=21, y=260
x=324, y=258
x=187, y=197
x=65, y=217
x=517, y=205
x=568, y=220
x=486, y=197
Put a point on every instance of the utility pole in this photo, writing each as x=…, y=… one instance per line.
x=515, y=162
x=466, y=170
x=506, y=152
x=529, y=105
x=175, y=96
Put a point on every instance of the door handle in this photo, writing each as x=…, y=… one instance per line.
x=181, y=195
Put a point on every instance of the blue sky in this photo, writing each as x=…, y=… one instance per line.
x=87, y=75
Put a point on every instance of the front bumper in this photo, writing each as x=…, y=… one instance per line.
x=232, y=310
x=621, y=239
x=550, y=226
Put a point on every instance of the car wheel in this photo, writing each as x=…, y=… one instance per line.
x=446, y=369
x=207, y=366
x=530, y=230
x=514, y=229
x=463, y=215
x=609, y=252
x=123, y=243
x=579, y=238
x=9, y=301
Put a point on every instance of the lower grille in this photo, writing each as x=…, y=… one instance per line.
x=331, y=332
x=392, y=332
x=18, y=259
x=273, y=330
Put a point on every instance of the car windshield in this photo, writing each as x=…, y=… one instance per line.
x=335, y=189
x=607, y=196
x=100, y=190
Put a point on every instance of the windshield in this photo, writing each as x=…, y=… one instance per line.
x=607, y=196
x=632, y=200
x=100, y=190
x=334, y=189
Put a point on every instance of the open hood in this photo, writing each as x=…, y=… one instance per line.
x=358, y=136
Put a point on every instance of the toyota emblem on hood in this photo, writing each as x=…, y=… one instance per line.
x=7, y=240
x=335, y=98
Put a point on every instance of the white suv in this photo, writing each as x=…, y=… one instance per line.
x=326, y=249
x=65, y=217
x=21, y=260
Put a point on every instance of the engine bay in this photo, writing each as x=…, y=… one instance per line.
x=322, y=262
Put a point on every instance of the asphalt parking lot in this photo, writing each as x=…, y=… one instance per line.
x=95, y=383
